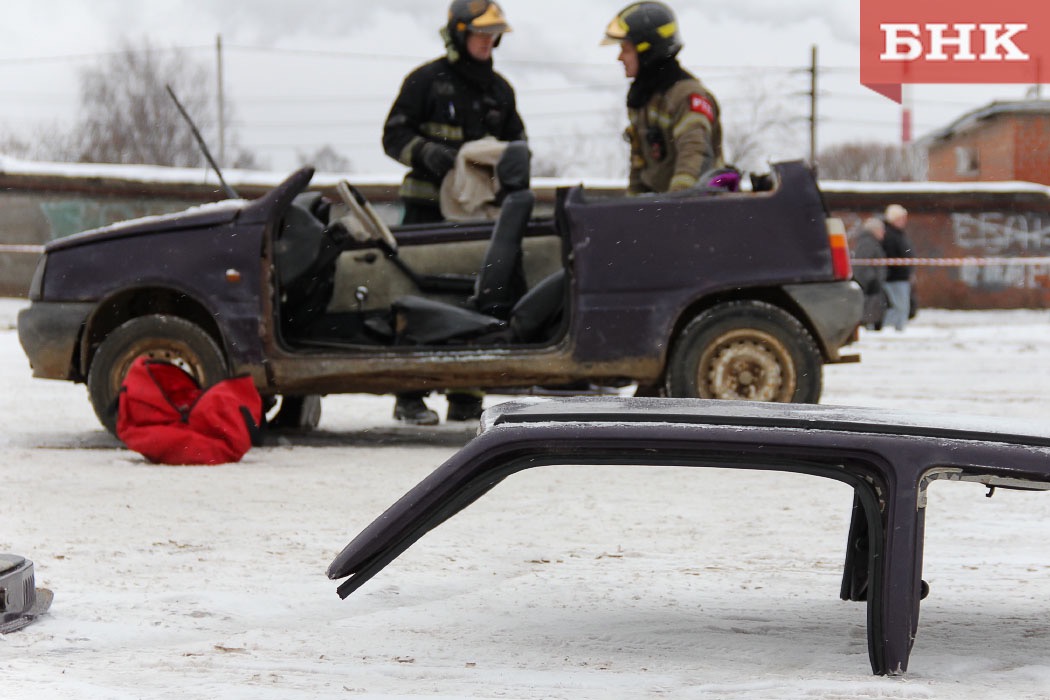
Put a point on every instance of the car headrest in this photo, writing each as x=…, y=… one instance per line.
x=513, y=167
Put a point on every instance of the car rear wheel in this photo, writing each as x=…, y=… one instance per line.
x=158, y=337
x=746, y=350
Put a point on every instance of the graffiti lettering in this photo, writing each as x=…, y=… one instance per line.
x=1006, y=276
x=998, y=232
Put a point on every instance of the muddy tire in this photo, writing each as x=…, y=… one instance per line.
x=746, y=350
x=158, y=337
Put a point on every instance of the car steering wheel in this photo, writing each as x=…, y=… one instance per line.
x=368, y=216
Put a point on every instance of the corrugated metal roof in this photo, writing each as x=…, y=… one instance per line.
x=994, y=109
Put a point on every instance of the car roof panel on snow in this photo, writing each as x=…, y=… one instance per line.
x=888, y=458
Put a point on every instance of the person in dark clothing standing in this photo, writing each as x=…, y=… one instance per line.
x=898, y=277
x=675, y=130
x=867, y=245
x=443, y=104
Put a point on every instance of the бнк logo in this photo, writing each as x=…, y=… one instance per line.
x=963, y=41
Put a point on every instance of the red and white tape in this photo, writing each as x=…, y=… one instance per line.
x=948, y=262
x=858, y=262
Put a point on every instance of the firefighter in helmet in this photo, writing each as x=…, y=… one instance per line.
x=442, y=105
x=451, y=100
x=674, y=131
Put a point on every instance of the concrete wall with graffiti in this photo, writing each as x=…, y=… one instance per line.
x=1004, y=234
x=982, y=247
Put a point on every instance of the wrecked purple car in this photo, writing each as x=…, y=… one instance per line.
x=702, y=293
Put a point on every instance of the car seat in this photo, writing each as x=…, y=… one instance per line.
x=501, y=304
x=305, y=253
x=501, y=279
x=422, y=321
x=500, y=301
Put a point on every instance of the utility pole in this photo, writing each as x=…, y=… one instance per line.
x=813, y=106
x=906, y=115
x=222, y=101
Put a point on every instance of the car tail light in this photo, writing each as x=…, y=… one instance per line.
x=840, y=263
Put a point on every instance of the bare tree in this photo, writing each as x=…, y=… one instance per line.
x=15, y=146
x=327, y=159
x=871, y=162
x=245, y=159
x=756, y=126
x=584, y=152
x=47, y=142
x=127, y=115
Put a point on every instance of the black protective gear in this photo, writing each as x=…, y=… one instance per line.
x=445, y=103
x=464, y=407
x=437, y=158
x=410, y=408
x=481, y=16
x=651, y=27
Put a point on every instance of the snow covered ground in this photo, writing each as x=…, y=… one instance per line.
x=568, y=582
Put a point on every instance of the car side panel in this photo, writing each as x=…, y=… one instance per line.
x=218, y=267
x=640, y=262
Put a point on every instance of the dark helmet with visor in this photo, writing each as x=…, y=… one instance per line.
x=651, y=27
x=479, y=16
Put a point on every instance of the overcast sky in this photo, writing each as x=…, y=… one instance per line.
x=302, y=75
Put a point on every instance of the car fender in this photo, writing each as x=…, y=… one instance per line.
x=124, y=305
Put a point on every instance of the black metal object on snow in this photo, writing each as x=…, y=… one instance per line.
x=888, y=458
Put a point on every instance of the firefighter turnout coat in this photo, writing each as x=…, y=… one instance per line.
x=675, y=137
x=449, y=102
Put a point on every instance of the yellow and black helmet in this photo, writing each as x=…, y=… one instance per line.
x=651, y=27
x=481, y=16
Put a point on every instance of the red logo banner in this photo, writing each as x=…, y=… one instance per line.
x=952, y=41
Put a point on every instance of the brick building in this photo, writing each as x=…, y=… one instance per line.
x=1001, y=141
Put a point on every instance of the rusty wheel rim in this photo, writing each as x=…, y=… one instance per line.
x=749, y=365
x=176, y=352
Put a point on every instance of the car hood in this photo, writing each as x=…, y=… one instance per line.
x=203, y=216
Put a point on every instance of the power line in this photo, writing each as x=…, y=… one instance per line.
x=870, y=96
x=96, y=55
x=612, y=137
x=707, y=69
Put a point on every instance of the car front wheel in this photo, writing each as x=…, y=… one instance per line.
x=746, y=350
x=157, y=337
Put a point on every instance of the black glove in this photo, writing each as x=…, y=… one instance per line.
x=437, y=158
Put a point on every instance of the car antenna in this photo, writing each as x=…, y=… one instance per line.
x=230, y=192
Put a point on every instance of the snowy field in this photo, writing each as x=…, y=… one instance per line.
x=566, y=582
